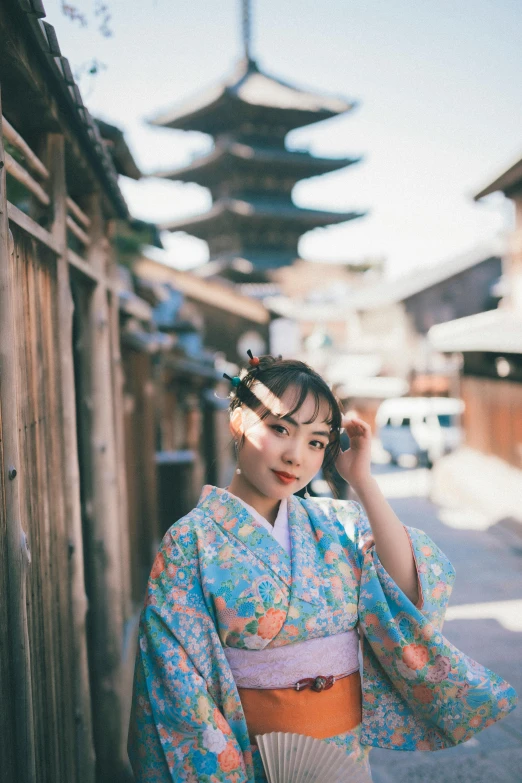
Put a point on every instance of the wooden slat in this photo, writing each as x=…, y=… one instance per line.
x=78, y=232
x=31, y=227
x=18, y=172
x=14, y=138
x=106, y=599
x=82, y=266
x=19, y=560
x=80, y=215
x=84, y=751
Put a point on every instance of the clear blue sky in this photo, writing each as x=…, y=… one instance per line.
x=440, y=115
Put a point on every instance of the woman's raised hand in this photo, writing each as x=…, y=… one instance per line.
x=354, y=464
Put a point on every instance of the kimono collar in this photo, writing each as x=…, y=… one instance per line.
x=228, y=512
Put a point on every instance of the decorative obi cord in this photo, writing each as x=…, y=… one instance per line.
x=311, y=687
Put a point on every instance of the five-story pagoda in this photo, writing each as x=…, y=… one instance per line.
x=253, y=225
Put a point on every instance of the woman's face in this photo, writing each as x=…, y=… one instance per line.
x=280, y=454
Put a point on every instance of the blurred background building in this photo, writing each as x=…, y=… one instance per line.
x=488, y=472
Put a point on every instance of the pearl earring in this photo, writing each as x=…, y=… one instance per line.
x=307, y=494
x=236, y=449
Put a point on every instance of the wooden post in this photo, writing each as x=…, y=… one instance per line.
x=106, y=608
x=85, y=760
x=18, y=552
x=123, y=517
x=130, y=618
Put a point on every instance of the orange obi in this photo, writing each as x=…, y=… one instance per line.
x=315, y=713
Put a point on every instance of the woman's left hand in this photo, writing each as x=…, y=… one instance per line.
x=354, y=464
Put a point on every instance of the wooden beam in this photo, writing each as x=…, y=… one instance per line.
x=83, y=266
x=80, y=215
x=31, y=227
x=107, y=597
x=18, y=172
x=84, y=756
x=118, y=382
x=14, y=138
x=78, y=232
x=19, y=558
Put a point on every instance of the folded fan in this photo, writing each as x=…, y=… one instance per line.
x=294, y=758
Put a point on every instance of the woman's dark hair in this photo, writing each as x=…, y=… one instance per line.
x=278, y=375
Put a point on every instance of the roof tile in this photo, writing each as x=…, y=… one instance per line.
x=50, y=32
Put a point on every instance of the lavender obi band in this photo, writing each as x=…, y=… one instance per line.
x=282, y=667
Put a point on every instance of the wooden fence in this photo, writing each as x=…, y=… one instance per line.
x=493, y=417
x=63, y=530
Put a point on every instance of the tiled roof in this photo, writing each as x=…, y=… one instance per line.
x=507, y=182
x=119, y=150
x=248, y=87
x=286, y=213
x=43, y=35
x=230, y=153
x=204, y=291
x=388, y=292
x=495, y=331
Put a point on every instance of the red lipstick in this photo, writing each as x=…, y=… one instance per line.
x=284, y=478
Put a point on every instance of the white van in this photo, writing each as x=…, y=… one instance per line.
x=424, y=427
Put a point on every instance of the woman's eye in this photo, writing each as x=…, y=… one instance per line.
x=318, y=444
x=279, y=428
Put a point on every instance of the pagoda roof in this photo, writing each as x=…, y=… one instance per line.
x=249, y=95
x=508, y=182
x=230, y=154
x=247, y=263
x=241, y=212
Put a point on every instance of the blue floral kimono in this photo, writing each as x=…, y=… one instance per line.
x=220, y=579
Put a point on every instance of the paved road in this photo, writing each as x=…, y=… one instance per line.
x=484, y=620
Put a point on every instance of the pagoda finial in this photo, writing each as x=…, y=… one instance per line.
x=247, y=29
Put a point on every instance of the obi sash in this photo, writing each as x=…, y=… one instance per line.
x=311, y=687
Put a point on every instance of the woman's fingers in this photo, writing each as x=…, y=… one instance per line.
x=354, y=426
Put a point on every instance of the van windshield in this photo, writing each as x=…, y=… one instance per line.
x=397, y=421
x=445, y=420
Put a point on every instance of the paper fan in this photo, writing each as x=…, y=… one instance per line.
x=294, y=758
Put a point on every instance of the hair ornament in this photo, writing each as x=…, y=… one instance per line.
x=235, y=381
x=254, y=365
x=254, y=360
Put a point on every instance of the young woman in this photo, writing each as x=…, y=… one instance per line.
x=259, y=601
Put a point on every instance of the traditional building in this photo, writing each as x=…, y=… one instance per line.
x=490, y=347
x=253, y=225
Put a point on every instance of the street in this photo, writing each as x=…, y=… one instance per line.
x=484, y=620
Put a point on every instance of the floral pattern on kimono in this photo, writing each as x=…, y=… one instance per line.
x=220, y=579
x=419, y=691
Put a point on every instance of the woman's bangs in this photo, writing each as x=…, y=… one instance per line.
x=304, y=389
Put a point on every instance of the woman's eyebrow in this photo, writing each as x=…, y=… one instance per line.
x=296, y=424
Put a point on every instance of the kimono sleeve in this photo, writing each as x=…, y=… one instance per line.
x=419, y=691
x=177, y=732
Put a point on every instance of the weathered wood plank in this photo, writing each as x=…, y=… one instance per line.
x=106, y=599
x=78, y=232
x=80, y=215
x=22, y=220
x=14, y=138
x=17, y=541
x=19, y=173
x=82, y=266
x=84, y=750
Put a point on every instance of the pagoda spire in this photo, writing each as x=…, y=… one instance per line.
x=254, y=225
x=246, y=20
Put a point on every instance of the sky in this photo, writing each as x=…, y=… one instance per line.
x=439, y=116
